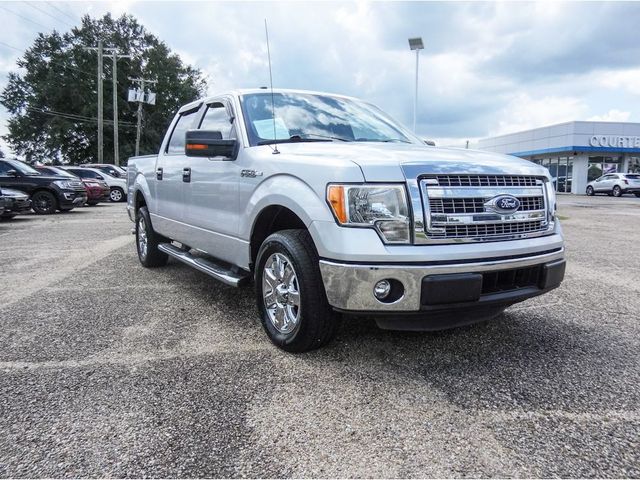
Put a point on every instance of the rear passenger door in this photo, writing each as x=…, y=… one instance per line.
x=212, y=192
x=169, y=218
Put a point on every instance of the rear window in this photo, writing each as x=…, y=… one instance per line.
x=634, y=176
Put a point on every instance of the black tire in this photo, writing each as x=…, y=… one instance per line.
x=590, y=191
x=44, y=203
x=7, y=216
x=152, y=257
x=116, y=195
x=637, y=195
x=92, y=204
x=617, y=191
x=316, y=322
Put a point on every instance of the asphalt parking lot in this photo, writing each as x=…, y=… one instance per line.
x=111, y=370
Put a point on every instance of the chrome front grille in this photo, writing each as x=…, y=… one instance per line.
x=464, y=208
x=489, y=229
x=476, y=205
x=486, y=180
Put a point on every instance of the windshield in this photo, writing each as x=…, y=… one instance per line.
x=57, y=171
x=23, y=168
x=311, y=117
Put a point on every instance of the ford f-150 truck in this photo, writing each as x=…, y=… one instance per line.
x=333, y=208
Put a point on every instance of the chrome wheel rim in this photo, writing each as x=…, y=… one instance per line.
x=281, y=293
x=142, y=238
x=116, y=195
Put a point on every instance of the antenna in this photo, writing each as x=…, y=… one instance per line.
x=273, y=107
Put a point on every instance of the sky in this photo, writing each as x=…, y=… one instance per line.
x=487, y=68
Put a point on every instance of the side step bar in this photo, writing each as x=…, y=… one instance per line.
x=215, y=270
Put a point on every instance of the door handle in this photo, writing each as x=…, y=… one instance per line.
x=186, y=175
x=159, y=173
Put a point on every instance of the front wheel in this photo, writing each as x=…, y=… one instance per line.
x=116, y=194
x=590, y=191
x=617, y=191
x=290, y=294
x=44, y=203
x=147, y=242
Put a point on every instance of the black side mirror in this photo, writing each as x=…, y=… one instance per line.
x=12, y=173
x=209, y=143
x=431, y=143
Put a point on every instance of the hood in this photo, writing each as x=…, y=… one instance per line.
x=387, y=162
x=10, y=192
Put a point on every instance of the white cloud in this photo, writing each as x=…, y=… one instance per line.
x=613, y=115
x=524, y=112
x=628, y=80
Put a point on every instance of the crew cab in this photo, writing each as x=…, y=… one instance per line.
x=48, y=193
x=332, y=208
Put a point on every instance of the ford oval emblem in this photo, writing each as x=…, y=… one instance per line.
x=506, y=204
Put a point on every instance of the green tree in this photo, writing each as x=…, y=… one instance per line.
x=53, y=104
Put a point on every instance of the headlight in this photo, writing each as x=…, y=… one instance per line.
x=383, y=207
x=64, y=184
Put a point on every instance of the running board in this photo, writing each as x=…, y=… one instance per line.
x=215, y=270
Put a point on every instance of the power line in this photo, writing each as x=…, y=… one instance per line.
x=52, y=61
x=62, y=11
x=25, y=18
x=31, y=4
x=75, y=117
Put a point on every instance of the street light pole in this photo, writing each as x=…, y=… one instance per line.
x=417, y=45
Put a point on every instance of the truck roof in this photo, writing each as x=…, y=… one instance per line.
x=244, y=91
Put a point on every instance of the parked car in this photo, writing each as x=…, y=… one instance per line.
x=117, y=186
x=48, y=193
x=333, y=207
x=16, y=202
x=110, y=169
x=3, y=202
x=616, y=184
x=97, y=189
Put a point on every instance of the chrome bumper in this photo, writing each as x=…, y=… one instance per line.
x=350, y=287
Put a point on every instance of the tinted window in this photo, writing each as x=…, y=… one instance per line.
x=217, y=118
x=176, y=142
x=634, y=177
x=4, y=168
x=85, y=173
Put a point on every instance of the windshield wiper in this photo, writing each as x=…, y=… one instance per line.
x=340, y=139
x=293, y=139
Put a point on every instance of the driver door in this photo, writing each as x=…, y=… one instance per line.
x=211, y=195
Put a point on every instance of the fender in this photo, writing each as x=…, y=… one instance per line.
x=290, y=192
x=140, y=184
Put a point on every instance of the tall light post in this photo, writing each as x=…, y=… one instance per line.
x=417, y=45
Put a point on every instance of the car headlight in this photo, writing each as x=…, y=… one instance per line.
x=64, y=184
x=383, y=207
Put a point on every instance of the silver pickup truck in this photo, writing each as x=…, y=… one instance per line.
x=333, y=208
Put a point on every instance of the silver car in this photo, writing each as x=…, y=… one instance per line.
x=616, y=184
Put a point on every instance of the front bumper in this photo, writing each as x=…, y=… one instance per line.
x=72, y=198
x=349, y=287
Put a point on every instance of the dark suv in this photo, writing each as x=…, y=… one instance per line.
x=48, y=192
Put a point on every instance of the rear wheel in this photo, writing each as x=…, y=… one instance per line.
x=92, y=203
x=147, y=241
x=590, y=191
x=44, y=203
x=617, y=191
x=116, y=194
x=290, y=294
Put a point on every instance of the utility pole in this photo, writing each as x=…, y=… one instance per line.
x=142, y=82
x=114, y=59
x=100, y=102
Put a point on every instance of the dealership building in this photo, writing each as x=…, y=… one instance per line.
x=575, y=152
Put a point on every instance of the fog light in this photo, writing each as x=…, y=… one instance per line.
x=382, y=289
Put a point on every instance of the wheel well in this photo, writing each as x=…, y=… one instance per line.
x=270, y=220
x=139, y=201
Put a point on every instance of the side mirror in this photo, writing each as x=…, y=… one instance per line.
x=209, y=143
x=431, y=143
x=12, y=173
